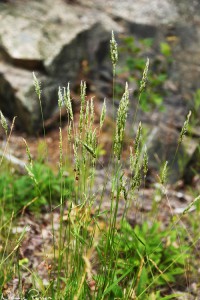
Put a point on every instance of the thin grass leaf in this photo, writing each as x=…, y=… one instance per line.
x=115, y=283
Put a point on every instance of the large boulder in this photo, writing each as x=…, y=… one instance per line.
x=18, y=97
x=54, y=38
x=162, y=144
x=50, y=37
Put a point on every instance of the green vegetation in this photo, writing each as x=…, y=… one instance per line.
x=16, y=191
x=196, y=109
x=135, y=53
x=95, y=254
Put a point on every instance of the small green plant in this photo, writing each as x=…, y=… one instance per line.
x=136, y=52
x=18, y=191
x=149, y=250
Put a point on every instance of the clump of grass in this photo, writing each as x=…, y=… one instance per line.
x=96, y=255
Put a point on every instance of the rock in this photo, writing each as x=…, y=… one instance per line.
x=193, y=164
x=162, y=145
x=90, y=45
x=15, y=84
x=21, y=44
x=42, y=34
x=66, y=42
x=54, y=42
x=18, y=98
x=137, y=11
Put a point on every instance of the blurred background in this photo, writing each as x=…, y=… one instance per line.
x=68, y=41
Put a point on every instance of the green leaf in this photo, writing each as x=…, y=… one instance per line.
x=172, y=296
x=115, y=283
x=165, y=49
x=142, y=282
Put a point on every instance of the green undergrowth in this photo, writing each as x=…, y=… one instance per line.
x=135, y=52
x=95, y=252
x=18, y=191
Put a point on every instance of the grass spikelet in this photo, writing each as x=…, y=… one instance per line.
x=121, y=122
x=163, y=176
x=69, y=131
x=91, y=112
x=87, y=112
x=76, y=157
x=103, y=114
x=136, y=180
x=90, y=150
x=37, y=85
x=138, y=138
x=144, y=77
x=123, y=189
x=4, y=122
x=28, y=154
x=68, y=102
x=145, y=162
x=60, y=97
x=131, y=159
x=29, y=168
x=113, y=52
x=191, y=204
x=184, y=128
x=83, y=92
x=83, y=98
x=31, y=175
x=134, y=158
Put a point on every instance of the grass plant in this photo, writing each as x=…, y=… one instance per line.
x=96, y=254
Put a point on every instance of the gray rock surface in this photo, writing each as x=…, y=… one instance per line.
x=54, y=41
x=55, y=37
x=18, y=98
x=162, y=144
x=139, y=12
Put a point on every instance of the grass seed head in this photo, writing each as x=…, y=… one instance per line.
x=91, y=111
x=163, y=176
x=184, y=128
x=76, y=157
x=136, y=180
x=87, y=113
x=60, y=97
x=28, y=152
x=121, y=123
x=103, y=114
x=144, y=77
x=31, y=174
x=68, y=102
x=82, y=109
x=37, y=85
x=69, y=131
x=113, y=52
x=138, y=137
x=145, y=161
